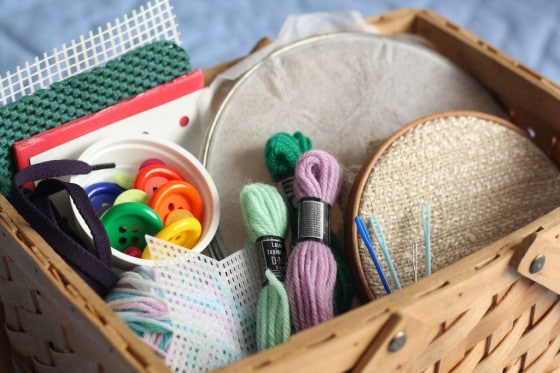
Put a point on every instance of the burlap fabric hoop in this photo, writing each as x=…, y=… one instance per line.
x=481, y=177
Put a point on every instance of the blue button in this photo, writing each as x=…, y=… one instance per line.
x=102, y=195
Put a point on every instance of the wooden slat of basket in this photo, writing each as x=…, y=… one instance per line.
x=554, y=365
x=494, y=360
x=547, y=329
x=452, y=358
x=463, y=303
x=541, y=245
x=539, y=312
x=44, y=322
x=542, y=306
x=28, y=345
x=471, y=359
x=66, y=362
x=5, y=356
x=500, y=319
x=453, y=336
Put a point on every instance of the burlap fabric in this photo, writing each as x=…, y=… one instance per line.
x=481, y=179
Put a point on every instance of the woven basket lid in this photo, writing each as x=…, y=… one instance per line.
x=341, y=90
x=481, y=177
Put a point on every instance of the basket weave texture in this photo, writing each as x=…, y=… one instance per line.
x=54, y=321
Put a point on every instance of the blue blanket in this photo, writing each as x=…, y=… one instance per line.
x=215, y=31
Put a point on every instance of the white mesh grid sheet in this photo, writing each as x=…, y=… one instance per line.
x=212, y=305
x=153, y=22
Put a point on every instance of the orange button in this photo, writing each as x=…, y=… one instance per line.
x=176, y=195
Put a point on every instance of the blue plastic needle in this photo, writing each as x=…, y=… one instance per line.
x=380, y=238
x=362, y=230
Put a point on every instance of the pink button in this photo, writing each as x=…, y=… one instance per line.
x=149, y=162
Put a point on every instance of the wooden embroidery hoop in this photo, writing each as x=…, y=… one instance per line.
x=369, y=287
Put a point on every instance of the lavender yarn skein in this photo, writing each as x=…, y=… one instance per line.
x=312, y=268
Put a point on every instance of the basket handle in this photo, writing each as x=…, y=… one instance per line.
x=538, y=257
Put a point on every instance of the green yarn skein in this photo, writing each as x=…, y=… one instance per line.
x=265, y=214
x=282, y=152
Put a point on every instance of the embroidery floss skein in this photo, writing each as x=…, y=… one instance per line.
x=282, y=152
x=138, y=300
x=312, y=268
x=266, y=219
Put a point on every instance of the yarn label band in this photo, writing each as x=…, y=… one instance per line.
x=314, y=216
x=271, y=253
x=287, y=185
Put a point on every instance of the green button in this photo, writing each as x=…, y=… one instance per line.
x=128, y=222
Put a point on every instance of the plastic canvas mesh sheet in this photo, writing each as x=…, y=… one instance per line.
x=152, y=22
x=212, y=305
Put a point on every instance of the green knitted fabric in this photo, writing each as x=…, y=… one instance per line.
x=135, y=72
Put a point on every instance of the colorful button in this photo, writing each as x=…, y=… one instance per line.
x=128, y=222
x=102, y=195
x=176, y=195
x=132, y=195
x=133, y=251
x=183, y=232
x=146, y=254
x=124, y=180
x=175, y=215
x=151, y=177
x=149, y=162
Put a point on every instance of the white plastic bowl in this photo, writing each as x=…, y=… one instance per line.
x=128, y=153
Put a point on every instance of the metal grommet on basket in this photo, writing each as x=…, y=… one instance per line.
x=398, y=342
x=537, y=264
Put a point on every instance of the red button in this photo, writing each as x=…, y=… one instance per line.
x=133, y=251
x=151, y=177
x=175, y=195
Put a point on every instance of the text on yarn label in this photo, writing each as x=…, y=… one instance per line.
x=271, y=253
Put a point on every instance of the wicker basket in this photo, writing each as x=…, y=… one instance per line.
x=496, y=309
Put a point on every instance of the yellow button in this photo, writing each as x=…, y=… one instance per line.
x=176, y=215
x=184, y=232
